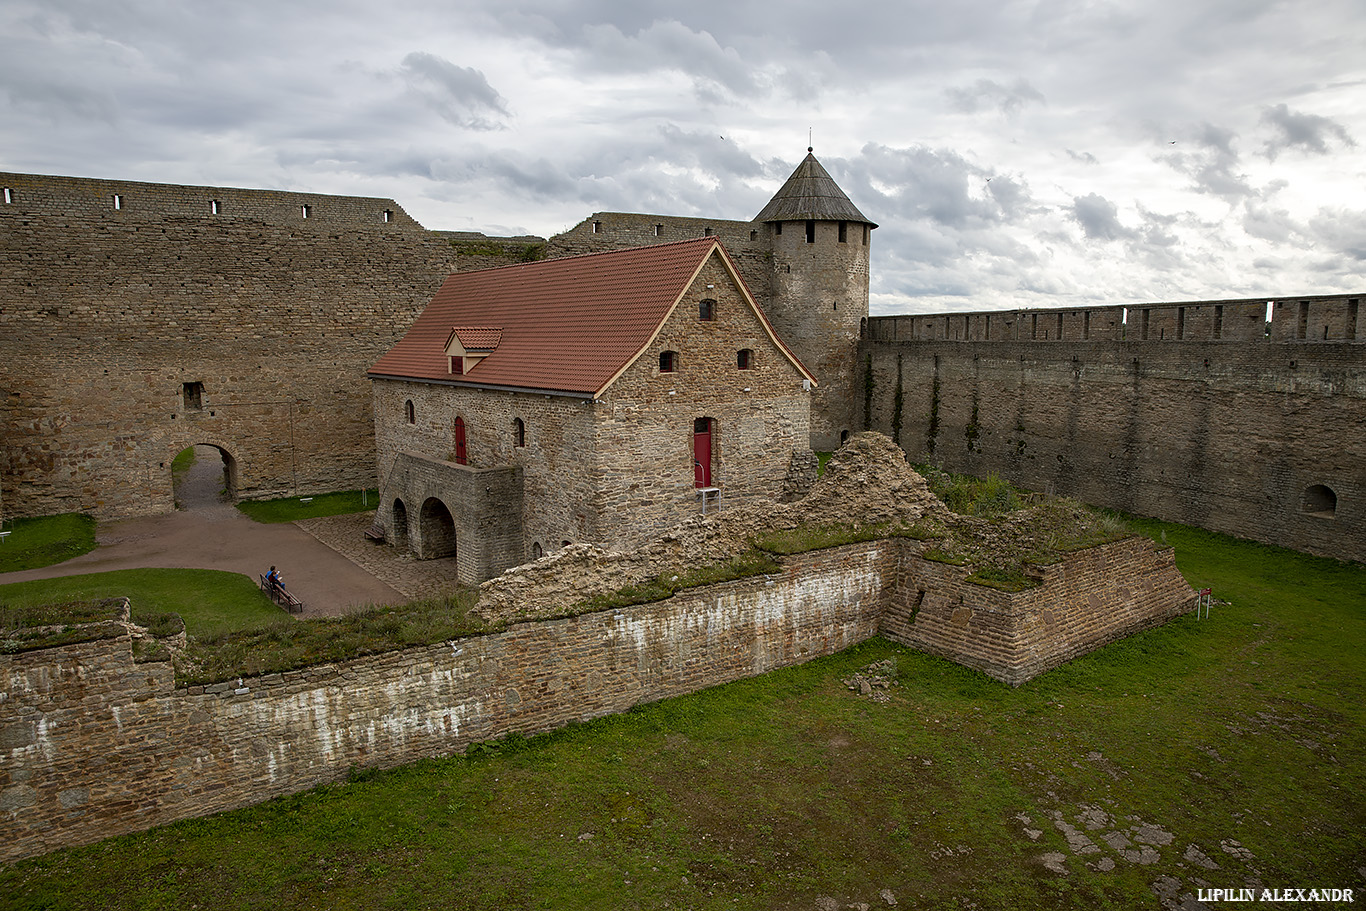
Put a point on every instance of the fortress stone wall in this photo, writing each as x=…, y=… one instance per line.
x=1191, y=412
x=138, y=319
x=94, y=743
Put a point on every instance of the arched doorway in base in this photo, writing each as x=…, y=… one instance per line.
x=437, y=528
x=203, y=475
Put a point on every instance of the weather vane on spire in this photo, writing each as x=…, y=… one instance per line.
x=809, y=143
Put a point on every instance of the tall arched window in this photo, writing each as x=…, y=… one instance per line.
x=461, y=454
x=518, y=432
x=409, y=413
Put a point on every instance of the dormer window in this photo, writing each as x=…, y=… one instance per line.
x=466, y=346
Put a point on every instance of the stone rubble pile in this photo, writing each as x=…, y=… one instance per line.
x=868, y=481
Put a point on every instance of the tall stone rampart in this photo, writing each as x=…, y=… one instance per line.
x=138, y=319
x=1257, y=435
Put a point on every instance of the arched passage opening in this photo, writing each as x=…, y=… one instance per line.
x=400, y=525
x=203, y=475
x=438, y=530
x=1320, y=501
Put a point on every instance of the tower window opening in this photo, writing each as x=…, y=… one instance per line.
x=193, y=396
x=215, y=207
x=9, y=195
x=844, y=232
x=118, y=201
x=518, y=432
x=388, y=215
x=597, y=227
x=811, y=230
x=305, y=210
x=659, y=230
x=409, y=412
x=706, y=232
x=778, y=228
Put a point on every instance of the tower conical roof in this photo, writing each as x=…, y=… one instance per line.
x=811, y=193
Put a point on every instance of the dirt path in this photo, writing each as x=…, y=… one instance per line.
x=214, y=535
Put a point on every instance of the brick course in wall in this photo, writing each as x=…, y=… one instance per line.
x=1227, y=435
x=94, y=744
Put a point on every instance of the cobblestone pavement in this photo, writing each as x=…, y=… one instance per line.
x=399, y=571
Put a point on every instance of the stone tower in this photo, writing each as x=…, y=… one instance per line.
x=819, y=242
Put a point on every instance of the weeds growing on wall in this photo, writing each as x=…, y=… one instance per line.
x=305, y=643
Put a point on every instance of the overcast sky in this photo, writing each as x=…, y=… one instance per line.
x=1046, y=153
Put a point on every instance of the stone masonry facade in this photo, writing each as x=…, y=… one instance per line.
x=617, y=470
x=94, y=743
x=1196, y=413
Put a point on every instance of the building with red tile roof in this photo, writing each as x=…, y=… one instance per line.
x=595, y=398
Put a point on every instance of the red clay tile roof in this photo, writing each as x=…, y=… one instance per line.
x=568, y=325
x=477, y=337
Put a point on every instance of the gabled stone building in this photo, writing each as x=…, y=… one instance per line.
x=595, y=398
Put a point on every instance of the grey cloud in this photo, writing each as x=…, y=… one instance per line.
x=1343, y=232
x=1207, y=156
x=1099, y=218
x=1306, y=132
x=987, y=94
x=460, y=94
x=1083, y=157
x=1274, y=225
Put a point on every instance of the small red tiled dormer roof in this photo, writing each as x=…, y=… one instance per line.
x=476, y=338
x=565, y=325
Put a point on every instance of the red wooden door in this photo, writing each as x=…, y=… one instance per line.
x=701, y=452
x=460, y=453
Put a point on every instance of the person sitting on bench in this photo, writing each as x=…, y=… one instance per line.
x=275, y=579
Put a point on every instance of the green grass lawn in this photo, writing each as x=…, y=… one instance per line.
x=1237, y=741
x=211, y=602
x=44, y=541
x=288, y=509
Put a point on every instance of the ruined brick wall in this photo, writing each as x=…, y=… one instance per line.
x=1082, y=602
x=93, y=745
x=1235, y=436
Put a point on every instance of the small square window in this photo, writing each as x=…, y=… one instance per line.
x=744, y=359
x=706, y=309
x=659, y=230
x=193, y=395
x=668, y=361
